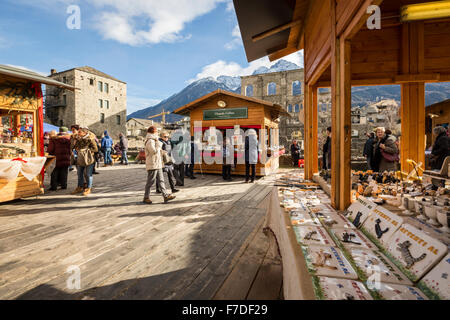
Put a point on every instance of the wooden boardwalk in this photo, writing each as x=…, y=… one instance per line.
x=124, y=249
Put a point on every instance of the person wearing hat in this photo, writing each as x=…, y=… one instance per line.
x=107, y=144
x=59, y=146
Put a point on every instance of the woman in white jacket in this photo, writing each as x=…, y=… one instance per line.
x=154, y=165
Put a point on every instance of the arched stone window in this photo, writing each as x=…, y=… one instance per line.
x=296, y=88
x=289, y=108
x=249, y=91
x=271, y=89
x=296, y=108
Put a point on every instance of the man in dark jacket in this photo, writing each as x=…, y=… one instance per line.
x=441, y=148
x=327, y=151
x=59, y=147
x=295, y=153
x=368, y=148
x=123, y=142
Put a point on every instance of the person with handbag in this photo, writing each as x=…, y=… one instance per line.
x=85, y=147
x=385, y=154
x=154, y=165
x=168, y=161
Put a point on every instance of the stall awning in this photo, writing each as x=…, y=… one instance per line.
x=32, y=76
x=271, y=28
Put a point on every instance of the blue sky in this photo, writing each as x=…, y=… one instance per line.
x=156, y=46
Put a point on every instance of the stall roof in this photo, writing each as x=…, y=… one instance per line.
x=33, y=76
x=277, y=26
x=188, y=107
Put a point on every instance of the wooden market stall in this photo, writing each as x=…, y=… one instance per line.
x=222, y=111
x=22, y=157
x=345, y=45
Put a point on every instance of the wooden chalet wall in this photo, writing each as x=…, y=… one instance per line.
x=340, y=52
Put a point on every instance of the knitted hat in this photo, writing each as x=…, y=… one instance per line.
x=63, y=129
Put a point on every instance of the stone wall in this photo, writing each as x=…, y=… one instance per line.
x=82, y=106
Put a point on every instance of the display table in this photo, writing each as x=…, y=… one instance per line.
x=297, y=284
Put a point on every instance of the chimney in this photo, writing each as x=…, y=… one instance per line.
x=52, y=71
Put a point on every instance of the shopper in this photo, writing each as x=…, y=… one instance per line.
x=154, y=166
x=107, y=144
x=326, y=151
x=85, y=147
x=179, y=153
x=385, y=151
x=251, y=155
x=368, y=148
x=123, y=142
x=168, y=167
x=227, y=160
x=59, y=147
x=441, y=148
x=295, y=153
x=191, y=157
x=74, y=128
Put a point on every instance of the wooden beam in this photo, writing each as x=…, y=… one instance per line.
x=430, y=77
x=335, y=115
x=359, y=19
x=276, y=30
x=281, y=53
x=345, y=125
x=314, y=131
x=412, y=143
x=308, y=132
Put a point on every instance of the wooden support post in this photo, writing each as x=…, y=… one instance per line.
x=308, y=132
x=311, y=128
x=413, y=96
x=314, y=131
x=341, y=118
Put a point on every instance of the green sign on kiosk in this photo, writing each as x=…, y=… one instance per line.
x=225, y=114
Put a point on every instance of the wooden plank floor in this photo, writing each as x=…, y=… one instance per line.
x=124, y=249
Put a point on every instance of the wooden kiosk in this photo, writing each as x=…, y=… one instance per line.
x=22, y=158
x=344, y=47
x=222, y=111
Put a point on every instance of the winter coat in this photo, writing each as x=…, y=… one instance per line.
x=251, y=149
x=123, y=143
x=441, y=149
x=60, y=147
x=88, y=141
x=194, y=153
x=295, y=151
x=379, y=163
x=167, y=146
x=327, y=154
x=107, y=142
x=368, y=148
x=180, y=147
x=153, y=155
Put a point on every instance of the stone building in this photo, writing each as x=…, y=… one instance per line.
x=137, y=131
x=99, y=102
x=286, y=89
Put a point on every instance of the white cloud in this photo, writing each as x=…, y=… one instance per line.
x=230, y=6
x=234, y=69
x=140, y=22
x=237, y=40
